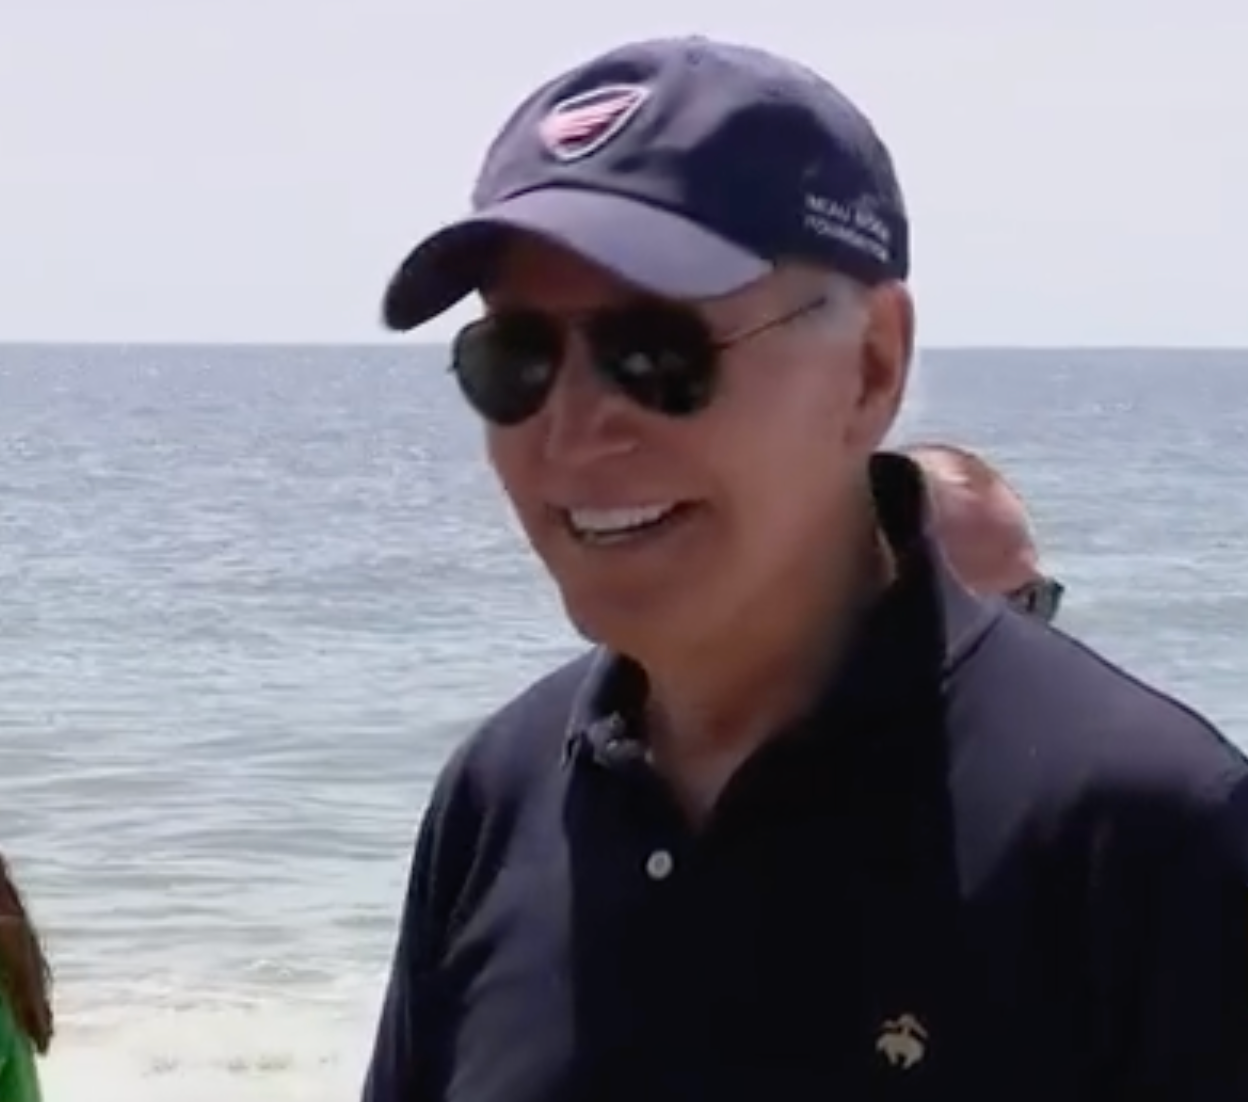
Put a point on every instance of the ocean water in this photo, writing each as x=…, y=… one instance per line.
x=251, y=597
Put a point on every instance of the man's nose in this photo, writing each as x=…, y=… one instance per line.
x=587, y=419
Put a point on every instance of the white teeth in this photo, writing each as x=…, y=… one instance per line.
x=614, y=522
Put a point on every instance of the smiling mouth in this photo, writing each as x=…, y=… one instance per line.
x=600, y=527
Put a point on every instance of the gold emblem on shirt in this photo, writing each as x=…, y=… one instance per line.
x=902, y=1041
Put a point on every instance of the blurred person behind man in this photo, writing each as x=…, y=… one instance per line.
x=983, y=526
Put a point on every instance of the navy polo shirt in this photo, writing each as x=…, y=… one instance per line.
x=986, y=864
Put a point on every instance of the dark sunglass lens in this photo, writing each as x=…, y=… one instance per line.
x=662, y=357
x=1041, y=598
x=506, y=364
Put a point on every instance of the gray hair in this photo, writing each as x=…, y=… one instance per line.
x=845, y=311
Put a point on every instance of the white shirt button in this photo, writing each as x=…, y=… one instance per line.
x=659, y=865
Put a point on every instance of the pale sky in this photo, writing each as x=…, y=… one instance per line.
x=252, y=170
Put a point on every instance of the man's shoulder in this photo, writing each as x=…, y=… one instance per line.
x=504, y=769
x=1058, y=719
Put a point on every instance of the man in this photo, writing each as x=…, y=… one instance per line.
x=810, y=820
x=983, y=528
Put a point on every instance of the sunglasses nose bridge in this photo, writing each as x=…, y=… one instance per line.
x=585, y=418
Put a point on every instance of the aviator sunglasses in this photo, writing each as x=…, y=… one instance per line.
x=1041, y=598
x=660, y=355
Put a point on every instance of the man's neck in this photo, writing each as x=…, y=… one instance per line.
x=709, y=713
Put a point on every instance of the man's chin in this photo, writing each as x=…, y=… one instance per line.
x=585, y=628
x=621, y=626
x=595, y=624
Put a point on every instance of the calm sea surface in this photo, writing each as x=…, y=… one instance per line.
x=252, y=596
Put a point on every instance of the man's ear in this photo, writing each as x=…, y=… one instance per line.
x=890, y=328
x=887, y=349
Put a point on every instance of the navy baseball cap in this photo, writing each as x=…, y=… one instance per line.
x=687, y=167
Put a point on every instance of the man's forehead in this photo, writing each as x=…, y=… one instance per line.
x=942, y=468
x=982, y=528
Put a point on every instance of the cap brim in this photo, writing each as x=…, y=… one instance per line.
x=649, y=248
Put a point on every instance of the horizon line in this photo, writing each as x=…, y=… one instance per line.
x=377, y=344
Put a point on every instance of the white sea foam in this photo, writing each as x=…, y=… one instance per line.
x=302, y=1050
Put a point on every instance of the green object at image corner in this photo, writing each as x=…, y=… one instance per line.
x=19, y=1077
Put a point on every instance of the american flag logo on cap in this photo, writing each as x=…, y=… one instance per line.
x=584, y=123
